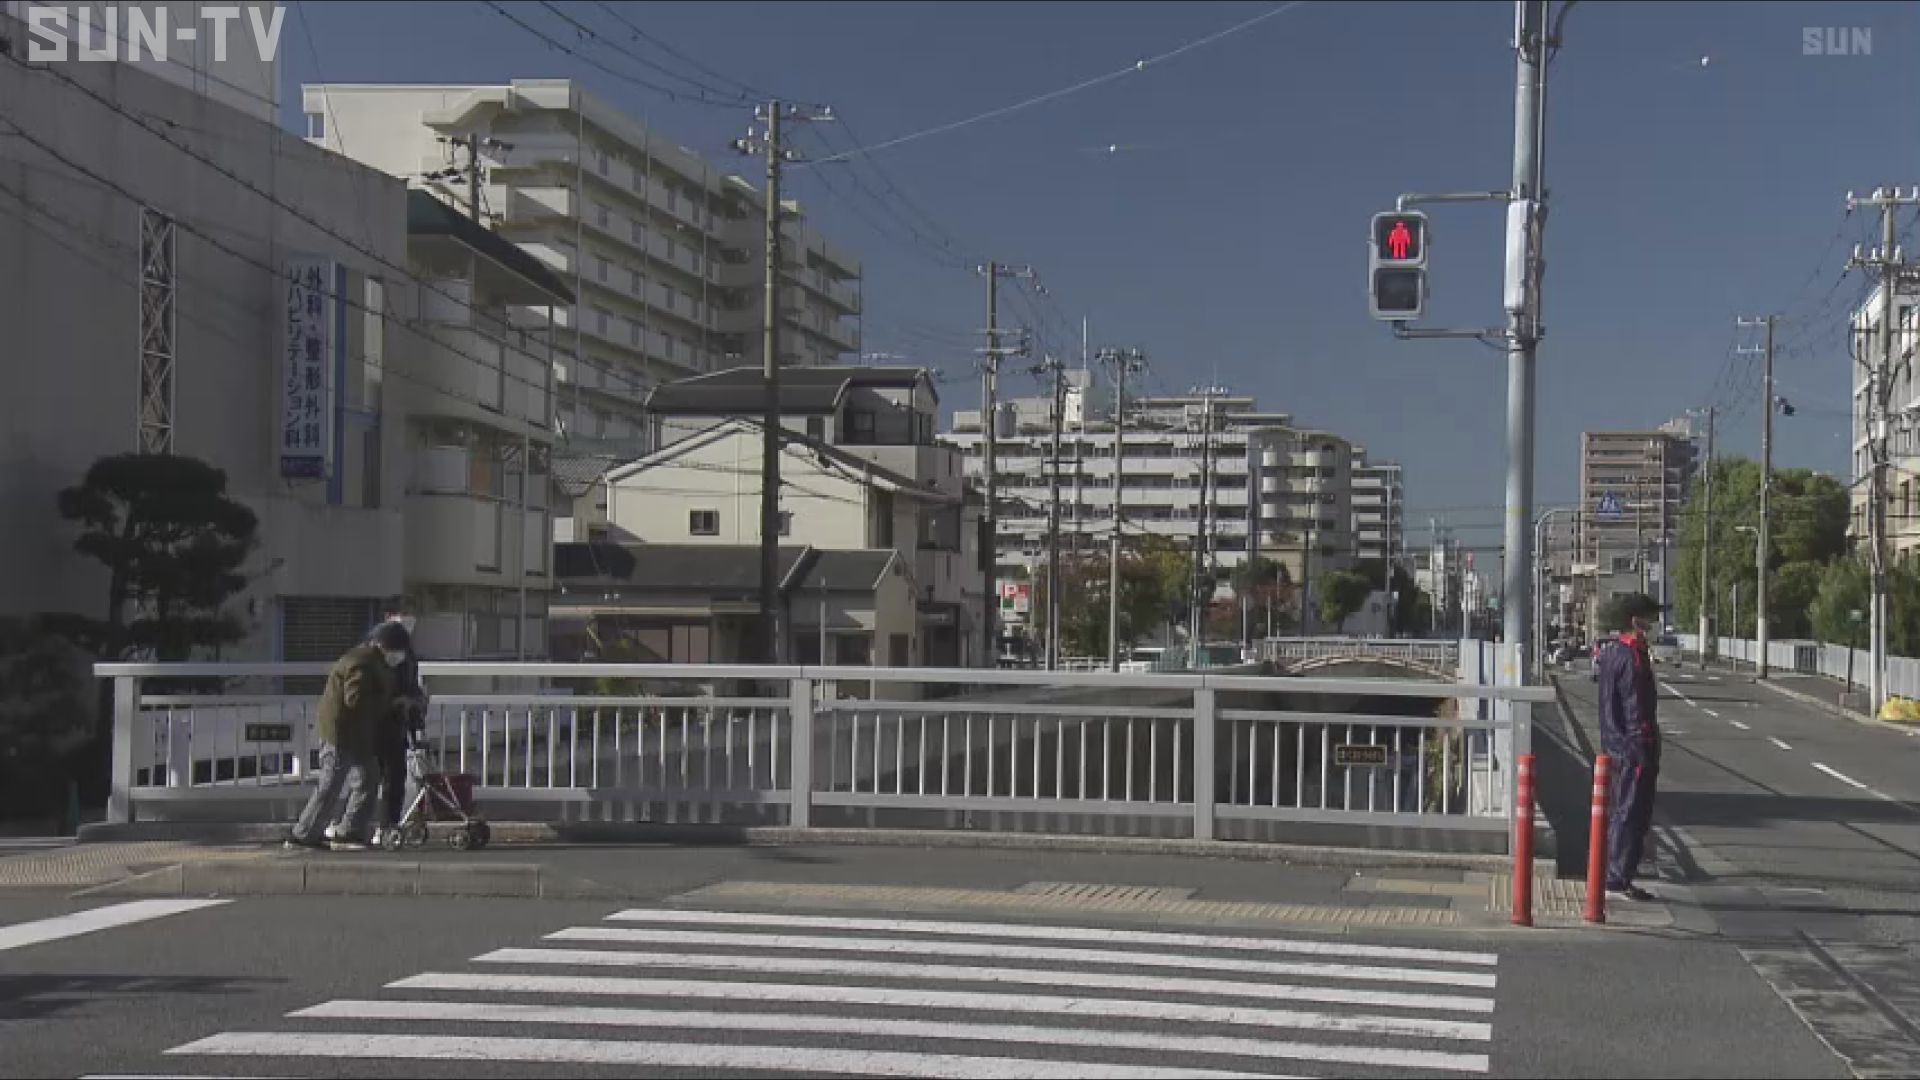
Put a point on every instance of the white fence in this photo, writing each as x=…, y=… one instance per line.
x=1204, y=756
x=1817, y=658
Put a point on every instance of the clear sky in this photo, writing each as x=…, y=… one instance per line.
x=1227, y=236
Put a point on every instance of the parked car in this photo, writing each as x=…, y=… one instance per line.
x=1665, y=649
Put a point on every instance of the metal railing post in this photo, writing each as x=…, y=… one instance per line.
x=1204, y=719
x=800, y=794
x=126, y=709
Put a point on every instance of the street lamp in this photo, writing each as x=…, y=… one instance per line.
x=1759, y=557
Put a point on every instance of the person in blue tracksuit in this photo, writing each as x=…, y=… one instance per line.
x=1630, y=735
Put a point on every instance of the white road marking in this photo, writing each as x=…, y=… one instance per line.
x=463, y=1012
x=1840, y=776
x=785, y=1060
x=1709, y=712
x=912, y=998
x=786, y=965
x=1094, y=935
x=21, y=935
x=1781, y=743
x=1676, y=693
x=1739, y=725
x=973, y=950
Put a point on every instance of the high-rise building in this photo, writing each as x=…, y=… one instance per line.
x=1379, y=509
x=664, y=252
x=1633, y=485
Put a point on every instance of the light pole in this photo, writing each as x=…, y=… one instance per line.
x=1760, y=567
x=1539, y=643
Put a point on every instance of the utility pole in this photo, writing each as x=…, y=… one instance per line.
x=1123, y=362
x=777, y=155
x=989, y=426
x=1052, y=366
x=1762, y=570
x=1889, y=262
x=1706, y=542
x=1526, y=219
x=1202, y=587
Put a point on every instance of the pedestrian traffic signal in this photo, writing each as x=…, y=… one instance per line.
x=1400, y=239
x=1397, y=271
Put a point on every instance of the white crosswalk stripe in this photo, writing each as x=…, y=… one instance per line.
x=673, y=990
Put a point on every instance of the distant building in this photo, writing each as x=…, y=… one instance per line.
x=1903, y=439
x=1633, y=485
x=665, y=252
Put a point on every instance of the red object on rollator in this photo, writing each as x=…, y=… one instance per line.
x=1597, y=842
x=1523, y=847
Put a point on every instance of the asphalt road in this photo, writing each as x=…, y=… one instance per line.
x=1794, y=835
x=316, y=986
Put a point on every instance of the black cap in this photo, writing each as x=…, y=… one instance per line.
x=1622, y=610
x=392, y=635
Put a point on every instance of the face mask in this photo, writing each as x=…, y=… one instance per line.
x=394, y=659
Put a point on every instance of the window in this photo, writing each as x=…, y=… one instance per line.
x=703, y=523
x=599, y=161
x=673, y=297
x=316, y=125
x=601, y=316
x=860, y=427
x=639, y=234
x=639, y=283
x=817, y=428
x=633, y=332
x=600, y=268
x=786, y=523
x=602, y=216
x=673, y=197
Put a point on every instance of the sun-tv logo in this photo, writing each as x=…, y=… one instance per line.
x=1836, y=41
x=57, y=32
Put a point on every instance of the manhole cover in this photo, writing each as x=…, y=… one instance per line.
x=1104, y=893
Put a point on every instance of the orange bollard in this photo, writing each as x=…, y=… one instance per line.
x=1523, y=847
x=1597, y=842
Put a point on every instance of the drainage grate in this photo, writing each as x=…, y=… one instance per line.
x=1094, y=894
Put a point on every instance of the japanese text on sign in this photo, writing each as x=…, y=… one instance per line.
x=306, y=416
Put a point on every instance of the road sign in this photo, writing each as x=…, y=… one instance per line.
x=1366, y=756
x=269, y=732
x=1397, y=266
x=1610, y=505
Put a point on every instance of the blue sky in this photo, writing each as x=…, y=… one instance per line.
x=1227, y=237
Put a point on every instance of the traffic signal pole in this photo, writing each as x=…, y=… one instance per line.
x=1524, y=218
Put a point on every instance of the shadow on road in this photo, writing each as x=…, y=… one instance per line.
x=37, y=997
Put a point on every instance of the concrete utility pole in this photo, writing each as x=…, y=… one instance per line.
x=1052, y=366
x=1889, y=263
x=1202, y=587
x=1706, y=542
x=989, y=427
x=1123, y=362
x=1765, y=536
x=1526, y=216
x=777, y=155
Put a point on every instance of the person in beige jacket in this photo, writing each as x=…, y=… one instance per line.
x=358, y=698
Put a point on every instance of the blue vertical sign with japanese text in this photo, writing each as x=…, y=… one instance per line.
x=307, y=369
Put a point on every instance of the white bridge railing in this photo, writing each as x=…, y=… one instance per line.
x=1202, y=756
x=1442, y=655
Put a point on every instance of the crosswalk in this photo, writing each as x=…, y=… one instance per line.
x=667, y=991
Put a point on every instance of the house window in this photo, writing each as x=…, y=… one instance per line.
x=602, y=216
x=786, y=523
x=600, y=268
x=860, y=425
x=639, y=283
x=639, y=234
x=600, y=318
x=703, y=523
x=316, y=125
x=633, y=332
x=817, y=428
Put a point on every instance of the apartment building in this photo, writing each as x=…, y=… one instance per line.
x=1633, y=485
x=1379, y=509
x=664, y=252
x=1903, y=434
x=1272, y=488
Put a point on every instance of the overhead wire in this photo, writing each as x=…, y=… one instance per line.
x=672, y=95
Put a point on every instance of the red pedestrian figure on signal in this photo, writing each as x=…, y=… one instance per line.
x=1399, y=239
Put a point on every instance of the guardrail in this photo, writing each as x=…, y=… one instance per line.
x=1195, y=755
x=1816, y=658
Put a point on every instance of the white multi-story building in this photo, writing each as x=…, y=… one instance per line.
x=1903, y=433
x=664, y=252
x=1274, y=489
x=1379, y=510
x=379, y=415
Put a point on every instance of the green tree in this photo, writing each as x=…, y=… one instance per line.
x=1342, y=593
x=1844, y=589
x=1153, y=575
x=1790, y=598
x=173, y=543
x=1412, y=607
x=1809, y=528
x=47, y=704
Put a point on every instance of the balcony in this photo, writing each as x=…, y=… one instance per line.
x=485, y=380
x=539, y=205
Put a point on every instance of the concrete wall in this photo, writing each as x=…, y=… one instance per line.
x=721, y=472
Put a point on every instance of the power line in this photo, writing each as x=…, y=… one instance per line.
x=1051, y=95
x=668, y=92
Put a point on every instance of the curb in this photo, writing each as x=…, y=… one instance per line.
x=536, y=833
x=297, y=876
